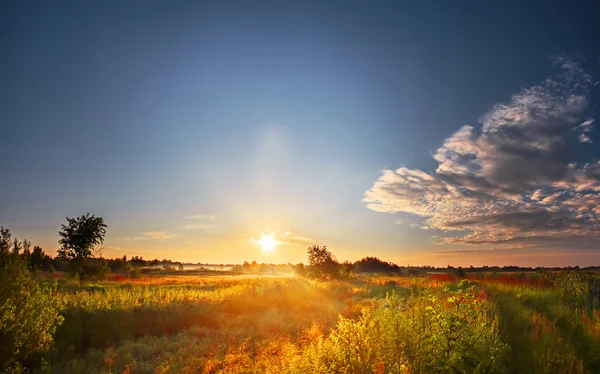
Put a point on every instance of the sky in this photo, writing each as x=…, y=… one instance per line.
x=423, y=133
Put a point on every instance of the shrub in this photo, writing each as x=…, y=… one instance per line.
x=29, y=316
x=437, y=332
x=135, y=272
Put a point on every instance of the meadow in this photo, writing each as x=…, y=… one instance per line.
x=539, y=322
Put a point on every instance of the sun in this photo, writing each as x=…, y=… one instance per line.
x=267, y=242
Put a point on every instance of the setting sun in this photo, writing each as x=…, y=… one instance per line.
x=267, y=243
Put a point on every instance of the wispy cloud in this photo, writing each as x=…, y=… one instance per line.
x=584, y=129
x=150, y=235
x=203, y=217
x=512, y=180
x=199, y=226
x=288, y=237
x=201, y=222
x=471, y=251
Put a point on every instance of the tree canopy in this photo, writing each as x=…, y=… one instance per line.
x=322, y=262
x=80, y=236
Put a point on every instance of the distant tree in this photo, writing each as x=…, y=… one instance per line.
x=322, y=262
x=38, y=258
x=138, y=261
x=26, y=247
x=16, y=246
x=460, y=272
x=373, y=264
x=181, y=267
x=4, y=240
x=80, y=236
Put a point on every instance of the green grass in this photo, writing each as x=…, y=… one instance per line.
x=288, y=324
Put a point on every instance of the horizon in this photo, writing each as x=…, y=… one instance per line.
x=422, y=134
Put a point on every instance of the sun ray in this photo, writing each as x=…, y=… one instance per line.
x=267, y=243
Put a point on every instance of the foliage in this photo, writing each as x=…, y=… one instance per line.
x=29, y=316
x=4, y=240
x=322, y=262
x=373, y=264
x=80, y=236
x=436, y=332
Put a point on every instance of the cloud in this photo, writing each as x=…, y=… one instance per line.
x=150, y=235
x=157, y=235
x=201, y=222
x=471, y=251
x=110, y=248
x=584, y=129
x=199, y=226
x=203, y=217
x=288, y=237
x=513, y=179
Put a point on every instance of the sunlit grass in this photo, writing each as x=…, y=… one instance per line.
x=290, y=324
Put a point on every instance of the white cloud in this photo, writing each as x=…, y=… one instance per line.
x=584, y=129
x=514, y=181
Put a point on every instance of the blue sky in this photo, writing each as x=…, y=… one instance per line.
x=259, y=117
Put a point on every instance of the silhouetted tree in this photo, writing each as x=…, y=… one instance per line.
x=322, y=262
x=16, y=246
x=79, y=239
x=373, y=264
x=80, y=236
x=4, y=240
x=26, y=247
x=38, y=258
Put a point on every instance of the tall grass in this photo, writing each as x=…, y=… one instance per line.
x=367, y=324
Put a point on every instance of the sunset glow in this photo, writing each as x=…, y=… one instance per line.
x=267, y=243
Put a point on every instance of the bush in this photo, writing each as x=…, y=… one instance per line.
x=436, y=332
x=135, y=272
x=29, y=316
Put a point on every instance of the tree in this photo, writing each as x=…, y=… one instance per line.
x=4, y=240
x=38, y=258
x=26, y=247
x=16, y=246
x=322, y=262
x=80, y=237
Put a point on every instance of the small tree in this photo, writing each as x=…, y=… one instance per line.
x=4, y=240
x=322, y=262
x=80, y=236
x=37, y=258
x=16, y=246
x=79, y=239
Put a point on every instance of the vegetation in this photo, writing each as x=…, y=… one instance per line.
x=139, y=316
x=29, y=314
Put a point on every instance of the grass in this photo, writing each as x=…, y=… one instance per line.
x=287, y=324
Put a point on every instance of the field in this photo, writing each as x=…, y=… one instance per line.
x=283, y=323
